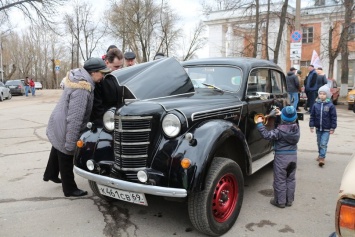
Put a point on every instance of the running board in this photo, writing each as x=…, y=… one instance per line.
x=260, y=163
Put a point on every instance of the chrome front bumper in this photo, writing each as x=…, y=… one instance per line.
x=129, y=186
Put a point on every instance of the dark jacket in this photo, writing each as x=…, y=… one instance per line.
x=323, y=115
x=107, y=94
x=292, y=82
x=321, y=81
x=311, y=84
x=286, y=137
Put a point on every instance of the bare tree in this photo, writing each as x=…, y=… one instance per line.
x=197, y=42
x=85, y=34
x=34, y=10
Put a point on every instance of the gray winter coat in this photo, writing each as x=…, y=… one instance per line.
x=292, y=83
x=72, y=111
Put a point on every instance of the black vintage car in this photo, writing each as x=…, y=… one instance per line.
x=184, y=130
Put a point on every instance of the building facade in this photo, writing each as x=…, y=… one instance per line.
x=232, y=34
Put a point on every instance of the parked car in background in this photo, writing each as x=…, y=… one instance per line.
x=333, y=89
x=350, y=98
x=345, y=208
x=38, y=85
x=16, y=87
x=4, y=92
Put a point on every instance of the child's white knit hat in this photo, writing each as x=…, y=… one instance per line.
x=326, y=90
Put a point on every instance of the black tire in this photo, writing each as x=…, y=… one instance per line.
x=350, y=106
x=95, y=190
x=1, y=97
x=223, y=180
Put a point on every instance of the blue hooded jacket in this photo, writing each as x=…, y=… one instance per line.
x=323, y=115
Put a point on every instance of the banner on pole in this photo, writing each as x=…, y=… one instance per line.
x=315, y=61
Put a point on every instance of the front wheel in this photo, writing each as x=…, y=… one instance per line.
x=214, y=210
x=10, y=96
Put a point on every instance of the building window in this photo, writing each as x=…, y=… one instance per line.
x=307, y=35
x=305, y=63
x=351, y=31
x=319, y=3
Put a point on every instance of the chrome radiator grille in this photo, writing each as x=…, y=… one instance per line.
x=131, y=142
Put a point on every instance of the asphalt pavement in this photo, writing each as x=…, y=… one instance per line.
x=31, y=207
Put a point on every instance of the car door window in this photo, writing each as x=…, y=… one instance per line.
x=259, y=83
x=276, y=82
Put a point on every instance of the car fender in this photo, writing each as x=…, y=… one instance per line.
x=97, y=145
x=207, y=138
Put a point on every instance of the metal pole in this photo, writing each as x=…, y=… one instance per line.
x=297, y=63
x=2, y=68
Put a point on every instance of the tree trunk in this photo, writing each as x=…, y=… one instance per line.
x=256, y=33
x=279, y=36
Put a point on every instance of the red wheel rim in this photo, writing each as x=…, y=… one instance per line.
x=224, y=198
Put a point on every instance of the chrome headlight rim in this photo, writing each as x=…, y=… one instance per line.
x=109, y=119
x=171, y=125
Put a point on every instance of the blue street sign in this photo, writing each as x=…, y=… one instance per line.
x=57, y=68
x=296, y=36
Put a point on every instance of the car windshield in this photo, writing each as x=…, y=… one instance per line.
x=221, y=77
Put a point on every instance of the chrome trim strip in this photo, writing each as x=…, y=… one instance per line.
x=130, y=169
x=134, y=130
x=132, y=143
x=133, y=117
x=133, y=187
x=152, y=99
x=131, y=156
x=214, y=112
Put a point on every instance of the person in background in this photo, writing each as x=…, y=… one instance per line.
x=321, y=78
x=159, y=56
x=68, y=120
x=114, y=59
x=311, y=86
x=108, y=49
x=32, y=86
x=293, y=86
x=286, y=137
x=107, y=92
x=27, y=86
x=324, y=119
x=129, y=59
x=301, y=84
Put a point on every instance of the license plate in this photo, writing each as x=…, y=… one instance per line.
x=137, y=198
x=12, y=87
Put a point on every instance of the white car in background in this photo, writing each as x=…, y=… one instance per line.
x=38, y=85
x=4, y=92
x=345, y=209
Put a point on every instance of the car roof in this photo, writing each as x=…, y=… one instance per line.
x=244, y=63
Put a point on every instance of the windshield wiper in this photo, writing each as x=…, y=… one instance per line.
x=213, y=86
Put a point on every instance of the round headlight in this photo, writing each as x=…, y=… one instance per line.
x=171, y=125
x=109, y=120
x=142, y=176
x=90, y=164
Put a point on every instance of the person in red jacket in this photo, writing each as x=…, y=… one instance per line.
x=32, y=87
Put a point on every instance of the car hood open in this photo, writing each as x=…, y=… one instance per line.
x=160, y=78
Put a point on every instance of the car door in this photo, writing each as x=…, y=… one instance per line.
x=4, y=90
x=265, y=91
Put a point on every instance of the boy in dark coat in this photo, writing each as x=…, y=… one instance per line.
x=286, y=137
x=324, y=119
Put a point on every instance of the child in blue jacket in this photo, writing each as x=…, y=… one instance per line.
x=286, y=137
x=324, y=119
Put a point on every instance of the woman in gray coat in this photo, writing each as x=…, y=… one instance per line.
x=68, y=119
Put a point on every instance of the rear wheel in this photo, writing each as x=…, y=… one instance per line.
x=350, y=106
x=214, y=210
x=96, y=191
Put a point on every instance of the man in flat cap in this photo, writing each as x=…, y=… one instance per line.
x=129, y=59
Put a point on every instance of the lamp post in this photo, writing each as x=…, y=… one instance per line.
x=2, y=68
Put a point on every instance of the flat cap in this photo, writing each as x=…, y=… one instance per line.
x=96, y=65
x=129, y=55
x=292, y=69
